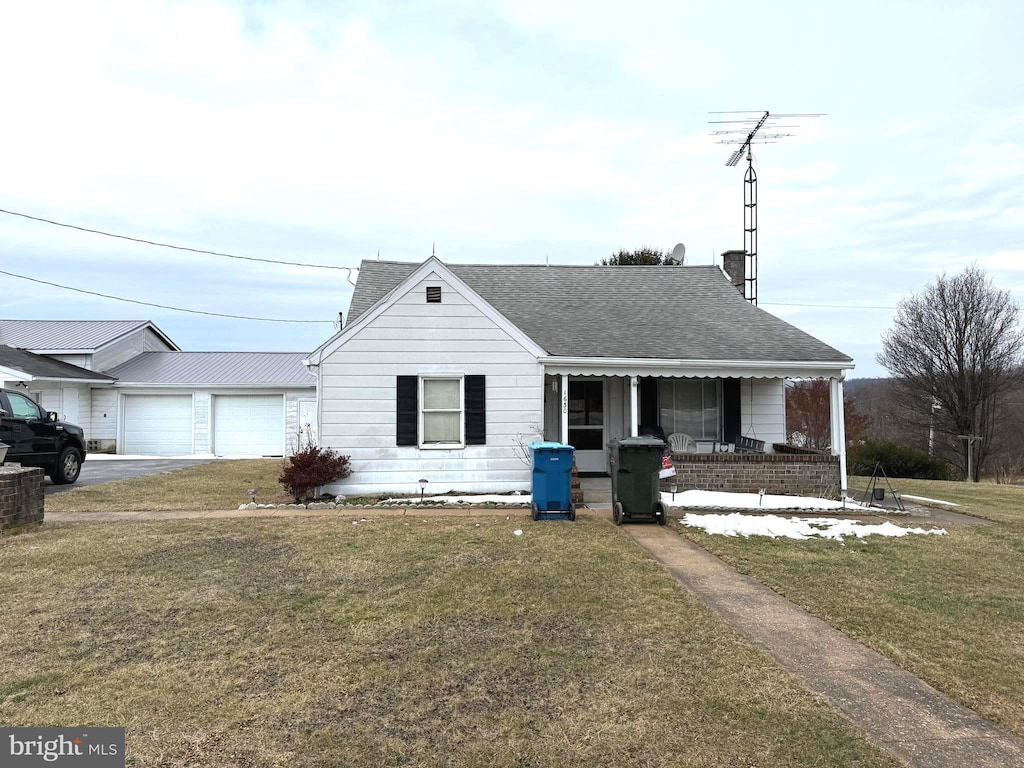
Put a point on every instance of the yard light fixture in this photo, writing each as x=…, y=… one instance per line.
x=423, y=487
x=673, y=493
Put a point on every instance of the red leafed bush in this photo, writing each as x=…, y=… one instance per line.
x=311, y=467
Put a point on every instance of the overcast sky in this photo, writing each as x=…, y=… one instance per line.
x=504, y=132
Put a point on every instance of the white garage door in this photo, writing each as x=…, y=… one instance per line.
x=157, y=425
x=248, y=425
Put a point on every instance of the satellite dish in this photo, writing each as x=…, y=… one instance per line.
x=679, y=254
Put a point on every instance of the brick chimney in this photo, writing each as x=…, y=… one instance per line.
x=735, y=265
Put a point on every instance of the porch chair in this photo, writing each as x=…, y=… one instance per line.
x=680, y=442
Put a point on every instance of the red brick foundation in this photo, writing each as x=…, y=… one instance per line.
x=794, y=475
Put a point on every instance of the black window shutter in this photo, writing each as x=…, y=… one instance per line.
x=730, y=409
x=476, y=410
x=408, y=411
x=649, y=410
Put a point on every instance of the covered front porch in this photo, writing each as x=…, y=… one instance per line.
x=723, y=411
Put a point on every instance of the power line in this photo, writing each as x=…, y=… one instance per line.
x=822, y=306
x=350, y=270
x=161, y=306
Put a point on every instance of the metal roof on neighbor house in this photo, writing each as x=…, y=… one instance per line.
x=70, y=335
x=221, y=368
x=681, y=312
x=40, y=367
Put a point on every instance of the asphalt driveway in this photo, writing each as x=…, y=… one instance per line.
x=108, y=470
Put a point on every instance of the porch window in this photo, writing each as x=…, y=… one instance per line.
x=693, y=406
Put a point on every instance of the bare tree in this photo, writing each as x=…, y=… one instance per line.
x=954, y=350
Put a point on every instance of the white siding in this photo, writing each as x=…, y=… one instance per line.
x=763, y=410
x=52, y=397
x=118, y=352
x=151, y=342
x=82, y=361
x=359, y=390
x=103, y=417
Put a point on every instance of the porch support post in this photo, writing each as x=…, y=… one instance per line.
x=563, y=429
x=634, y=406
x=839, y=429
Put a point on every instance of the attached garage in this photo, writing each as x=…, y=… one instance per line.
x=157, y=425
x=248, y=425
x=211, y=403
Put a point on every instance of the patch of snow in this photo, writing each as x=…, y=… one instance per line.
x=926, y=500
x=694, y=499
x=773, y=526
x=518, y=532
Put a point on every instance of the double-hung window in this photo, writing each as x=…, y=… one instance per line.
x=441, y=414
x=441, y=411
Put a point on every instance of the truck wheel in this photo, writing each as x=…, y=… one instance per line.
x=67, y=468
x=617, y=513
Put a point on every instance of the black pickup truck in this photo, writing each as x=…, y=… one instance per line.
x=36, y=438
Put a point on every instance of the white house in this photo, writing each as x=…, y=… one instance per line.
x=134, y=391
x=447, y=372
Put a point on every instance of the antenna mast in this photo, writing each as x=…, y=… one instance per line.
x=746, y=124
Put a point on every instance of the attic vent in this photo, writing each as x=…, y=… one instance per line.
x=433, y=294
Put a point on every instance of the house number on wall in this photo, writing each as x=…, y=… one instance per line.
x=565, y=402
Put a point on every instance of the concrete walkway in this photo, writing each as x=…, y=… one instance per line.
x=895, y=710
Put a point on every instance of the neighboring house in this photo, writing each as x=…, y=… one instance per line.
x=54, y=384
x=134, y=391
x=447, y=372
x=93, y=345
x=224, y=403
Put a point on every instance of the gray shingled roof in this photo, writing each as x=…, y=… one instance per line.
x=226, y=368
x=39, y=366
x=77, y=335
x=685, y=313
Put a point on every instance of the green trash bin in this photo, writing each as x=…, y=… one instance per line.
x=635, y=464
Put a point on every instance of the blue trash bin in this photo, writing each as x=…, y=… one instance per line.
x=552, y=481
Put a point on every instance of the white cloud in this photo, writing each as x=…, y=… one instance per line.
x=509, y=131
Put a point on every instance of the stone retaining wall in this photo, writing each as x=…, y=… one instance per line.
x=21, y=498
x=799, y=475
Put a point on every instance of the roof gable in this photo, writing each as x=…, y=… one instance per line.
x=71, y=336
x=398, y=283
x=622, y=312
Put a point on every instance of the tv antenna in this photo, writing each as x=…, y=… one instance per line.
x=743, y=128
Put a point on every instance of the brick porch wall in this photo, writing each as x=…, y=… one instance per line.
x=798, y=475
x=21, y=498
